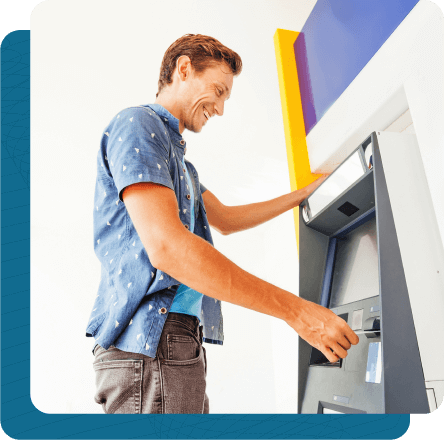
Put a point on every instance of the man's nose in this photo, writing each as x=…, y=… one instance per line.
x=219, y=108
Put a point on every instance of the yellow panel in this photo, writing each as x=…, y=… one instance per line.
x=295, y=134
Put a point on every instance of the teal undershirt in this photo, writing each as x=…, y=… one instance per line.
x=188, y=301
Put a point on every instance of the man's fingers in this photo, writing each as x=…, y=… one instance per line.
x=339, y=350
x=330, y=355
x=322, y=178
x=351, y=336
x=344, y=343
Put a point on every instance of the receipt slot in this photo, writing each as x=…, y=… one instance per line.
x=375, y=259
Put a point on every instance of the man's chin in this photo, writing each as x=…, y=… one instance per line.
x=194, y=129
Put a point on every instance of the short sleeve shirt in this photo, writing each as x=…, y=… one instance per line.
x=141, y=144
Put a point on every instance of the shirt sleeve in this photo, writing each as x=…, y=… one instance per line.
x=202, y=187
x=137, y=149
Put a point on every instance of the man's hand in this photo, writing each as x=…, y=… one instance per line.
x=309, y=189
x=323, y=329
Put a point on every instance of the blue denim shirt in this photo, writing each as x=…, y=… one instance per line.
x=141, y=144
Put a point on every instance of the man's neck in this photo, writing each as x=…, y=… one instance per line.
x=168, y=101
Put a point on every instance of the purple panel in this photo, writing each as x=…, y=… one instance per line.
x=336, y=42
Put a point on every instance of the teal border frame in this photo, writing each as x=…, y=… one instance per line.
x=20, y=419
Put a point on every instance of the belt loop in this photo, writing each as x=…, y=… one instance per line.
x=200, y=333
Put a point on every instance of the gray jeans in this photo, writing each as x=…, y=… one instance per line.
x=174, y=382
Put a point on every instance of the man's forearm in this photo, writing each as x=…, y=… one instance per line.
x=194, y=262
x=240, y=218
x=203, y=268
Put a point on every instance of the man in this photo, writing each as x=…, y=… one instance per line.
x=161, y=276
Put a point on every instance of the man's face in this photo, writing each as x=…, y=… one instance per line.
x=204, y=95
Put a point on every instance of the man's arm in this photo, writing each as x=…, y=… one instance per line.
x=230, y=219
x=193, y=261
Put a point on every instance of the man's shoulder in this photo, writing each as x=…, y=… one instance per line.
x=139, y=119
x=139, y=113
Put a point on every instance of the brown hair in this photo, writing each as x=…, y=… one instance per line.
x=202, y=50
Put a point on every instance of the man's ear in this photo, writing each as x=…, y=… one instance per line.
x=183, y=67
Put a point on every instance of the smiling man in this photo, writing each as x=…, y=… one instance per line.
x=162, y=281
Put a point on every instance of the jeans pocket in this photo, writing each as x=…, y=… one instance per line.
x=119, y=385
x=182, y=348
x=184, y=385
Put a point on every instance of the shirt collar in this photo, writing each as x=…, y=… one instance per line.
x=172, y=122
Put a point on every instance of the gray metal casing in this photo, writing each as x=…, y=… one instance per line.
x=410, y=317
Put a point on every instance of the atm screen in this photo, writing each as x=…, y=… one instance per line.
x=356, y=275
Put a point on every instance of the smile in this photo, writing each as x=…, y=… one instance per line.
x=206, y=113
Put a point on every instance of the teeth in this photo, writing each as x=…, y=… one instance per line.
x=206, y=114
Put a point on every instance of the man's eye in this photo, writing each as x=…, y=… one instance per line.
x=219, y=92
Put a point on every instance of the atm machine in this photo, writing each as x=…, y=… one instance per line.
x=370, y=250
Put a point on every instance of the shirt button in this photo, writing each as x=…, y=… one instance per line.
x=188, y=197
x=182, y=142
x=186, y=226
x=183, y=170
x=163, y=310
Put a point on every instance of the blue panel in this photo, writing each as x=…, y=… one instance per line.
x=336, y=42
x=328, y=273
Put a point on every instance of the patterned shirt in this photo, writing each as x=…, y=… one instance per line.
x=141, y=144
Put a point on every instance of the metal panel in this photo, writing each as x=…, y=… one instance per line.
x=323, y=383
x=404, y=383
x=356, y=273
x=420, y=244
x=312, y=260
x=330, y=220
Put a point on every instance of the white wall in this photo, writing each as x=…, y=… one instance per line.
x=90, y=59
x=406, y=73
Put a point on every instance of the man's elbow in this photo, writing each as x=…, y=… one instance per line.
x=223, y=229
x=157, y=261
x=160, y=257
